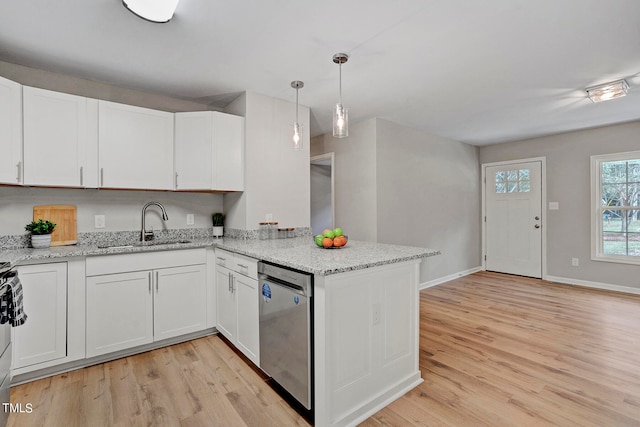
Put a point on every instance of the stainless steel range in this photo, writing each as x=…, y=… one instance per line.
x=286, y=333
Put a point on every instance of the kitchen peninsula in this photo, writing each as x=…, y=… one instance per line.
x=366, y=313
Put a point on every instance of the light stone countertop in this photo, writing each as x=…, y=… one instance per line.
x=299, y=253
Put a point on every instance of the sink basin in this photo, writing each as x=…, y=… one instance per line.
x=149, y=243
x=162, y=242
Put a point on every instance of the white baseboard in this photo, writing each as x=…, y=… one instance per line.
x=596, y=285
x=440, y=280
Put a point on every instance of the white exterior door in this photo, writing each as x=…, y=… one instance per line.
x=513, y=216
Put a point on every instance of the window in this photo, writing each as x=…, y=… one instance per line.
x=616, y=207
x=513, y=181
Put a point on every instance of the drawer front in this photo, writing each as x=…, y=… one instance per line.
x=225, y=258
x=246, y=266
x=122, y=263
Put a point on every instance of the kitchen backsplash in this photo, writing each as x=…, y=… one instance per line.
x=107, y=238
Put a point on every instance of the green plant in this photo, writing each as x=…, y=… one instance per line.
x=40, y=227
x=218, y=219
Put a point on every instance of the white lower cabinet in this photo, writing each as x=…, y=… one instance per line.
x=43, y=337
x=248, y=338
x=237, y=302
x=133, y=308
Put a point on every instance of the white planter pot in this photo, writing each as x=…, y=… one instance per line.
x=218, y=231
x=39, y=241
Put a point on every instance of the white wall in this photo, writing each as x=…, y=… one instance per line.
x=355, y=179
x=429, y=195
x=277, y=177
x=122, y=209
x=400, y=185
x=568, y=182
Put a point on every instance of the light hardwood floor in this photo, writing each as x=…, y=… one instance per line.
x=495, y=350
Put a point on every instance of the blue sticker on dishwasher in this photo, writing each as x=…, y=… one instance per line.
x=266, y=292
x=296, y=299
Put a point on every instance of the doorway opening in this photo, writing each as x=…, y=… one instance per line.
x=322, y=193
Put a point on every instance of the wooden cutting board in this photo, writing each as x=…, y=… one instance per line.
x=64, y=216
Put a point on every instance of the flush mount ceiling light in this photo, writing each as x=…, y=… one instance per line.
x=341, y=114
x=607, y=91
x=297, y=127
x=159, y=11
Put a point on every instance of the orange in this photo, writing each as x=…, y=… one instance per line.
x=339, y=241
x=327, y=242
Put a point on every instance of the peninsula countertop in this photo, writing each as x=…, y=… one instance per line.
x=299, y=253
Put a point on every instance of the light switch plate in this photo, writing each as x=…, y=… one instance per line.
x=554, y=206
x=190, y=219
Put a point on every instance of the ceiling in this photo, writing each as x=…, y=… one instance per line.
x=480, y=72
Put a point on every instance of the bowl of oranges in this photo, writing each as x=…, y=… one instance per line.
x=331, y=239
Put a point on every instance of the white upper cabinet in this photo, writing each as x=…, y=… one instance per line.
x=209, y=151
x=10, y=132
x=135, y=147
x=59, y=131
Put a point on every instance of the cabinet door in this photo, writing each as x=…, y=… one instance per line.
x=43, y=337
x=119, y=312
x=228, y=134
x=179, y=301
x=194, y=150
x=135, y=147
x=248, y=338
x=10, y=132
x=226, y=303
x=55, y=138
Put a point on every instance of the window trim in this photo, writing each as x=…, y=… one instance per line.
x=596, y=208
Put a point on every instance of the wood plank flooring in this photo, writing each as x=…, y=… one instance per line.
x=500, y=350
x=495, y=350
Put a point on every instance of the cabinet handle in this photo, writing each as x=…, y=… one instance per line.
x=19, y=165
x=233, y=284
x=149, y=283
x=243, y=266
x=101, y=177
x=157, y=280
x=222, y=259
x=176, y=180
x=229, y=284
x=81, y=176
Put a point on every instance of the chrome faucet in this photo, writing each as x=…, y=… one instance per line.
x=148, y=235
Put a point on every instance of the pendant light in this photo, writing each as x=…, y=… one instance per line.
x=297, y=127
x=341, y=114
x=159, y=11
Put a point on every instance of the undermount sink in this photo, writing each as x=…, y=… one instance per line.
x=147, y=243
x=162, y=242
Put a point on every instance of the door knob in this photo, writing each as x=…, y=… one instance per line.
x=537, y=218
x=537, y=226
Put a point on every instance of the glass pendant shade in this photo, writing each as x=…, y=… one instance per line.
x=159, y=11
x=297, y=136
x=340, y=114
x=340, y=121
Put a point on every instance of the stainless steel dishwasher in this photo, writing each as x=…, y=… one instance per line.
x=286, y=332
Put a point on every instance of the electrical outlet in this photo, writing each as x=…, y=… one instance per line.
x=190, y=219
x=575, y=262
x=554, y=206
x=268, y=217
x=99, y=221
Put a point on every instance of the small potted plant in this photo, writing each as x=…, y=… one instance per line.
x=218, y=224
x=40, y=233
